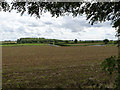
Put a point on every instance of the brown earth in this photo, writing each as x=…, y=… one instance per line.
x=46, y=66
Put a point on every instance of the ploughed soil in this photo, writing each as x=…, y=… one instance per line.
x=55, y=67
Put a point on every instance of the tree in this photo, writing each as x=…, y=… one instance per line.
x=76, y=41
x=106, y=41
x=95, y=12
x=66, y=41
x=92, y=41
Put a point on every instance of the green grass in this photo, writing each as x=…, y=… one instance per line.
x=28, y=44
x=42, y=44
x=87, y=44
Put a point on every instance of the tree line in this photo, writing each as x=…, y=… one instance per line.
x=37, y=40
x=57, y=41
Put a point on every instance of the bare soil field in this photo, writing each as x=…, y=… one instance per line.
x=55, y=67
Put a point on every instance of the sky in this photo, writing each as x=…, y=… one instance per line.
x=14, y=26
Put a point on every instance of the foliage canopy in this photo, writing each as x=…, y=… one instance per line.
x=95, y=12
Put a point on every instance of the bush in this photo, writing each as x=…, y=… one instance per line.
x=112, y=65
x=106, y=41
x=60, y=44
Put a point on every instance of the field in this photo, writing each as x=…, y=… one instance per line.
x=55, y=67
x=26, y=44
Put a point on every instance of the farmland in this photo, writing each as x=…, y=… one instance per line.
x=55, y=67
x=28, y=44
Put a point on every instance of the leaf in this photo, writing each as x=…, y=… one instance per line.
x=109, y=64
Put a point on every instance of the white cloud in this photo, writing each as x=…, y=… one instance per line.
x=14, y=26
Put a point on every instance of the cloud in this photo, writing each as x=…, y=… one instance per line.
x=48, y=23
x=14, y=26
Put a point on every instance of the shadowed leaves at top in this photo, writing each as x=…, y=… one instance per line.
x=95, y=12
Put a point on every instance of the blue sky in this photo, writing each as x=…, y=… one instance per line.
x=14, y=26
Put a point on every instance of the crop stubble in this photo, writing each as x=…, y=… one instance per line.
x=46, y=66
